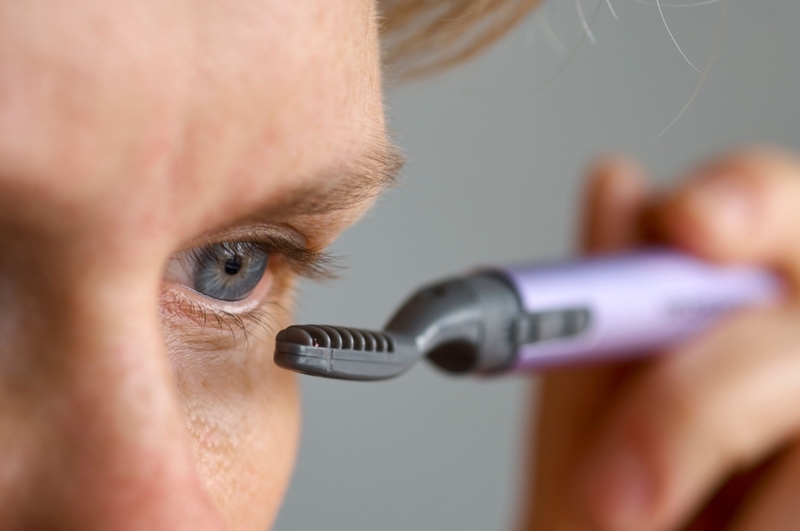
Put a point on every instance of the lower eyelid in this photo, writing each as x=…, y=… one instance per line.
x=252, y=301
x=206, y=325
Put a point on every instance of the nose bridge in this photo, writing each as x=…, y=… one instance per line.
x=92, y=391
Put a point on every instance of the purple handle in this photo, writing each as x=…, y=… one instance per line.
x=635, y=303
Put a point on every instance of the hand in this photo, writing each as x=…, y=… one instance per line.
x=708, y=435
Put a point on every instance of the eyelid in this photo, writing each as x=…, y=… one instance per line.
x=278, y=240
x=302, y=260
x=230, y=321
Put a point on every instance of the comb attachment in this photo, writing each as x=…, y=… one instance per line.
x=344, y=352
x=338, y=337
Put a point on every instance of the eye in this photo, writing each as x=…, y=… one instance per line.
x=227, y=271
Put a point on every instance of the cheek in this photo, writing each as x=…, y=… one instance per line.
x=245, y=449
x=242, y=416
x=244, y=442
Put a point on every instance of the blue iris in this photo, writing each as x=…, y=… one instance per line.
x=229, y=271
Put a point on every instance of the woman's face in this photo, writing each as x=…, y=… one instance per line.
x=167, y=167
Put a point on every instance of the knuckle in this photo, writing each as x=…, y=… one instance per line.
x=751, y=161
x=693, y=422
x=705, y=393
x=690, y=410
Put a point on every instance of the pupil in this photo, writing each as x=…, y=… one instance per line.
x=233, y=265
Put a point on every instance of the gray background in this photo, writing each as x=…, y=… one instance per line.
x=494, y=175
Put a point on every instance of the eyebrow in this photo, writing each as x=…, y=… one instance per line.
x=368, y=171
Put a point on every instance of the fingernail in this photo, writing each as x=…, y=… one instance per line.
x=723, y=201
x=617, y=489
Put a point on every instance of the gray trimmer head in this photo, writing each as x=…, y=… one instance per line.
x=461, y=325
x=344, y=353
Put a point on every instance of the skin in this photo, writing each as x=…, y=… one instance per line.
x=706, y=436
x=132, y=131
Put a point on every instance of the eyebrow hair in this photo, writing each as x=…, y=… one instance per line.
x=367, y=172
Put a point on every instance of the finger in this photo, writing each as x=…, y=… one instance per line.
x=721, y=509
x=774, y=506
x=570, y=402
x=690, y=419
x=742, y=206
x=616, y=194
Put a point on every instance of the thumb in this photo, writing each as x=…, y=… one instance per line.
x=743, y=207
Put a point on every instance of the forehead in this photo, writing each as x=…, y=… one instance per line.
x=190, y=116
x=307, y=101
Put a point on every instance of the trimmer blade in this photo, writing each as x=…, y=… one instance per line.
x=344, y=353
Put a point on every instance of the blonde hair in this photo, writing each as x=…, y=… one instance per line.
x=424, y=36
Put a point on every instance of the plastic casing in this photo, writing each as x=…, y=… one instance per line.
x=637, y=303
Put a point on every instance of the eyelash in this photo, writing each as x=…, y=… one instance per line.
x=300, y=260
x=243, y=323
x=309, y=263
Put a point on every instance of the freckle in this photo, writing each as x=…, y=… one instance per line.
x=206, y=385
